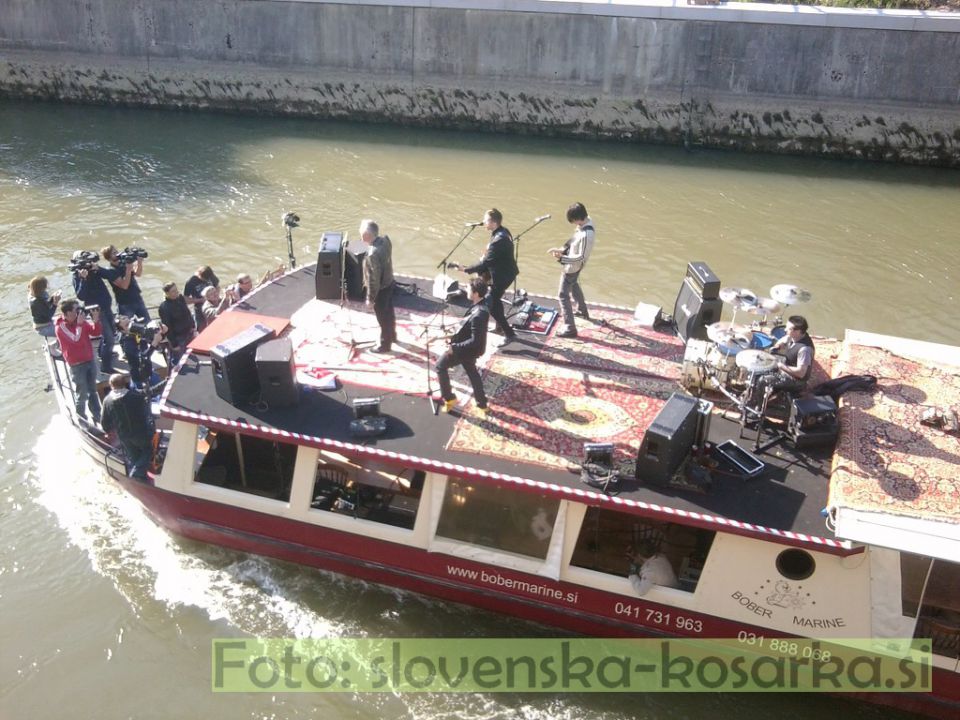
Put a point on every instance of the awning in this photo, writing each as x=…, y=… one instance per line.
x=914, y=535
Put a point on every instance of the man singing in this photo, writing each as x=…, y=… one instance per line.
x=466, y=345
x=378, y=279
x=500, y=263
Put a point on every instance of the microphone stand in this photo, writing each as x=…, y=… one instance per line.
x=434, y=406
x=442, y=266
x=353, y=344
x=516, y=250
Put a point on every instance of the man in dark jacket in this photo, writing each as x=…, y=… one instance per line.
x=500, y=263
x=378, y=279
x=176, y=315
x=125, y=411
x=90, y=284
x=466, y=345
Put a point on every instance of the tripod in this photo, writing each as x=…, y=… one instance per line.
x=290, y=221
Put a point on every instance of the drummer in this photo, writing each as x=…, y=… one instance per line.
x=797, y=350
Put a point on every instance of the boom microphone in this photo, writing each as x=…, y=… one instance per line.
x=542, y=218
x=476, y=224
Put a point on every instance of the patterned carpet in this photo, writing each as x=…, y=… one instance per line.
x=885, y=460
x=612, y=341
x=322, y=335
x=542, y=414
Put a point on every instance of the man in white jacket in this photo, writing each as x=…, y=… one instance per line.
x=573, y=257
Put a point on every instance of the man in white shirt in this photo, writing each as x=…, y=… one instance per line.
x=573, y=257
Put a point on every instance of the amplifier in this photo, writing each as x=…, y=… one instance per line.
x=277, y=374
x=329, y=266
x=703, y=280
x=813, y=422
x=668, y=441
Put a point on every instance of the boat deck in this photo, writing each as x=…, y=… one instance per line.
x=547, y=397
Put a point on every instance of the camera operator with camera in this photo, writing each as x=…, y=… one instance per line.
x=138, y=341
x=126, y=267
x=91, y=289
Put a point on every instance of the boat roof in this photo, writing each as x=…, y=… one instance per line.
x=547, y=397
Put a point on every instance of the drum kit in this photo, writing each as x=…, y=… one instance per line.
x=739, y=352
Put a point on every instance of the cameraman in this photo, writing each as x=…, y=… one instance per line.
x=88, y=283
x=138, y=341
x=124, y=276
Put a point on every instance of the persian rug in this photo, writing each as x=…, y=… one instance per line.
x=542, y=414
x=886, y=460
x=611, y=340
x=332, y=341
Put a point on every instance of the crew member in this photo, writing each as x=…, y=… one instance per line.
x=649, y=568
x=573, y=257
x=43, y=306
x=125, y=287
x=378, y=279
x=74, y=335
x=90, y=284
x=193, y=292
x=126, y=412
x=467, y=344
x=797, y=350
x=138, y=341
x=500, y=263
x=176, y=315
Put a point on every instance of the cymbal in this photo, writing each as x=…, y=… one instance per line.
x=726, y=333
x=756, y=360
x=738, y=297
x=765, y=306
x=790, y=294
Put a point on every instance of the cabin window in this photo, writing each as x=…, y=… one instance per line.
x=247, y=464
x=933, y=599
x=498, y=518
x=796, y=564
x=608, y=539
x=383, y=494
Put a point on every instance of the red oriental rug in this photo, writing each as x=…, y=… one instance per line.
x=329, y=340
x=885, y=460
x=542, y=414
x=611, y=340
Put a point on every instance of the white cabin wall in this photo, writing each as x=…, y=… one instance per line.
x=179, y=464
x=740, y=581
x=886, y=605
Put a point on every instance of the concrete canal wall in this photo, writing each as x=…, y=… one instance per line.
x=769, y=78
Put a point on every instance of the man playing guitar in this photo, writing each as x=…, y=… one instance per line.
x=572, y=257
x=500, y=264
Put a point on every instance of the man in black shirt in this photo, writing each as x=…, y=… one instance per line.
x=125, y=287
x=500, y=264
x=125, y=411
x=467, y=344
x=176, y=315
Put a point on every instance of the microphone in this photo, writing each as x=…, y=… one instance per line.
x=476, y=224
x=542, y=218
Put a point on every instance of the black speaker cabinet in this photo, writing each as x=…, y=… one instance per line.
x=234, y=365
x=277, y=374
x=692, y=313
x=329, y=266
x=355, y=256
x=813, y=422
x=668, y=440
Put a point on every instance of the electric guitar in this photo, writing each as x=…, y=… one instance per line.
x=485, y=275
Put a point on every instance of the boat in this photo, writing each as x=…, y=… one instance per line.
x=279, y=433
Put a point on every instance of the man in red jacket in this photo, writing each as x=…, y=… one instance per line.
x=74, y=332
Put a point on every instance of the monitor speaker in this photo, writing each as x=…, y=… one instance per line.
x=234, y=365
x=692, y=313
x=355, y=256
x=277, y=374
x=329, y=266
x=813, y=422
x=668, y=440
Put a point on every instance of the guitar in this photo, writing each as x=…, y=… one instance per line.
x=485, y=275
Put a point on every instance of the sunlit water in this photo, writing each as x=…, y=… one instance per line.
x=104, y=614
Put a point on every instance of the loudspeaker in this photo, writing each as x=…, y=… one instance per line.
x=692, y=313
x=813, y=422
x=355, y=256
x=234, y=365
x=329, y=266
x=668, y=440
x=277, y=374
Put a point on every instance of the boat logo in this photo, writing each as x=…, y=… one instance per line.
x=783, y=594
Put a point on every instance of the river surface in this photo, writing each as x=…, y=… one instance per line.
x=104, y=615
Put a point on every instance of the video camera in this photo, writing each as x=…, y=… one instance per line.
x=130, y=255
x=145, y=330
x=83, y=260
